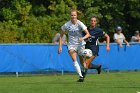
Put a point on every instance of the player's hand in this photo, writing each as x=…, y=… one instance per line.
x=107, y=48
x=59, y=50
x=81, y=39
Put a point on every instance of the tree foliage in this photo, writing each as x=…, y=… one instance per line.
x=37, y=21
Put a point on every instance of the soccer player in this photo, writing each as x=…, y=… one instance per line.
x=76, y=43
x=92, y=44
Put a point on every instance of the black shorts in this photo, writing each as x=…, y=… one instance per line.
x=93, y=48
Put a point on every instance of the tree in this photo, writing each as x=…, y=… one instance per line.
x=34, y=21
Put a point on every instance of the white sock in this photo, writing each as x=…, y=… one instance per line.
x=77, y=67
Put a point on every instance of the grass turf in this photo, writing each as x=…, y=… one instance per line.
x=114, y=82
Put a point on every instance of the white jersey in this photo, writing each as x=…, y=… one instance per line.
x=74, y=32
x=120, y=37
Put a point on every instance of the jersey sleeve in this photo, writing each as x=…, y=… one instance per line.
x=81, y=24
x=99, y=33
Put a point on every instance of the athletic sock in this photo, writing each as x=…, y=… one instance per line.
x=77, y=67
x=94, y=66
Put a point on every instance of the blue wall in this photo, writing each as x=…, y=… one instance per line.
x=37, y=57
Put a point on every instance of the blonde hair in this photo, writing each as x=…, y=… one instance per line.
x=73, y=10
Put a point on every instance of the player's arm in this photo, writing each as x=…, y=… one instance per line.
x=84, y=28
x=65, y=39
x=99, y=33
x=86, y=35
x=60, y=42
x=107, y=42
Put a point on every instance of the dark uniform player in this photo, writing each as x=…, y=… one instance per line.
x=92, y=44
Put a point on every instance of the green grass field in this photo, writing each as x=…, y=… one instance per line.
x=114, y=82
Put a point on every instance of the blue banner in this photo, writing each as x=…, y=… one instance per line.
x=40, y=57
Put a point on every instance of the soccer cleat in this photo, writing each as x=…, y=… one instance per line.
x=81, y=79
x=99, y=69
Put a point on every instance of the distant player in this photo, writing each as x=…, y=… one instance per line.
x=76, y=43
x=92, y=44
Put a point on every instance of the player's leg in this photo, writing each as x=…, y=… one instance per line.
x=95, y=66
x=88, y=61
x=89, y=65
x=73, y=54
x=94, y=50
x=84, y=70
x=82, y=59
x=75, y=63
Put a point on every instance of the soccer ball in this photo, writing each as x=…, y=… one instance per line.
x=87, y=53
